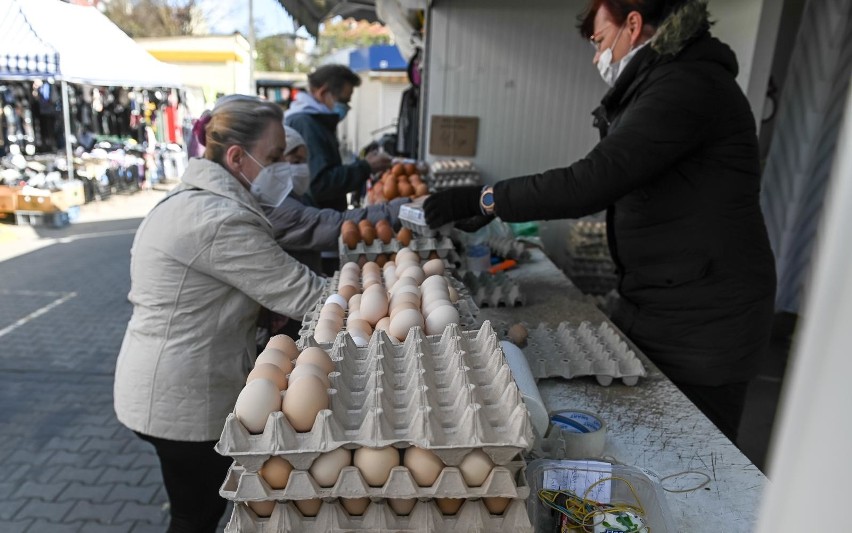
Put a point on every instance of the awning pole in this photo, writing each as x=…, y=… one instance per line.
x=66, y=115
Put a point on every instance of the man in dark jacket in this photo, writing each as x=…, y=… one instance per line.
x=677, y=171
x=315, y=115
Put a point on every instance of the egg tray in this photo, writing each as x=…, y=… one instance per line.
x=465, y=305
x=504, y=481
x=425, y=517
x=449, y=180
x=450, y=393
x=497, y=290
x=411, y=216
x=574, y=350
x=423, y=246
x=507, y=248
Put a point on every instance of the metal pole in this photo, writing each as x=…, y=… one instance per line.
x=66, y=115
x=252, y=88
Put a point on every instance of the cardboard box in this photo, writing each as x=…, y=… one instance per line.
x=453, y=135
x=8, y=199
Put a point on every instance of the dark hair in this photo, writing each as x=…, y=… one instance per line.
x=236, y=119
x=653, y=12
x=335, y=77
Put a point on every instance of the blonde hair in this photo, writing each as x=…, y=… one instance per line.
x=235, y=120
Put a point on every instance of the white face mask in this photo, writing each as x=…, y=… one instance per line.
x=301, y=178
x=609, y=71
x=273, y=184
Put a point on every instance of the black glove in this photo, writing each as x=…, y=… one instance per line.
x=453, y=204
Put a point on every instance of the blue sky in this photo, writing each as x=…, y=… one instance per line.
x=226, y=17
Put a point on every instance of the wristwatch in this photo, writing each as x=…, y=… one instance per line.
x=486, y=200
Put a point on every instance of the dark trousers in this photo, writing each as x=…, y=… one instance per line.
x=723, y=404
x=192, y=473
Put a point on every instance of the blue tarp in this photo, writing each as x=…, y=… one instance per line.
x=377, y=57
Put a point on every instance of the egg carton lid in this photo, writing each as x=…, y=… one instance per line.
x=425, y=517
x=451, y=395
x=493, y=290
x=572, y=350
x=506, y=481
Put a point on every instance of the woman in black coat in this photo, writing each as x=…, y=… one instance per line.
x=677, y=171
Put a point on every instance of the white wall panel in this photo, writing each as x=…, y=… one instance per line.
x=524, y=70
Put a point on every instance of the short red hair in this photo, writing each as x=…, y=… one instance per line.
x=653, y=12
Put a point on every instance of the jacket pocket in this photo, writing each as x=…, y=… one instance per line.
x=672, y=274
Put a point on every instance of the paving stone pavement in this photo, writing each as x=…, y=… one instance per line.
x=68, y=464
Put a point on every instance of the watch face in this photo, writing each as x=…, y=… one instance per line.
x=488, y=199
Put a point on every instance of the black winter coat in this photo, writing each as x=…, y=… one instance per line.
x=678, y=173
x=330, y=178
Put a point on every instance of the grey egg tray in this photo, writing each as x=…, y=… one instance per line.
x=473, y=517
x=424, y=246
x=497, y=290
x=508, y=248
x=448, y=180
x=585, y=349
x=465, y=305
x=450, y=393
x=506, y=481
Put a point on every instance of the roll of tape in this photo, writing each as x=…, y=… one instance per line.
x=576, y=434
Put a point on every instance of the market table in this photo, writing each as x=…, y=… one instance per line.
x=651, y=425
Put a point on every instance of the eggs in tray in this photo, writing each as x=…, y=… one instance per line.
x=364, y=231
x=402, y=179
x=396, y=297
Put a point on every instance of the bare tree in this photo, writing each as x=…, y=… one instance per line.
x=156, y=18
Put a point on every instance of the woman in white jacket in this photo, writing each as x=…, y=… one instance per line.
x=203, y=263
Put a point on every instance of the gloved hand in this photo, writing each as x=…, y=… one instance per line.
x=457, y=203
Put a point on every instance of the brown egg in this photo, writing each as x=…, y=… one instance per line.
x=276, y=472
x=381, y=259
x=368, y=235
x=390, y=190
x=305, y=398
x=348, y=225
x=351, y=238
x=355, y=506
x=365, y=223
x=384, y=232
x=347, y=291
x=421, y=189
x=362, y=260
x=402, y=506
x=449, y=506
x=496, y=504
x=276, y=357
x=402, y=178
x=285, y=344
x=316, y=356
x=268, y=371
x=424, y=465
x=415, y=179
x=262, y=509
x=405, y=189
x=404, y=236
x=309, y=507
x=410, y=168
x=398, y=169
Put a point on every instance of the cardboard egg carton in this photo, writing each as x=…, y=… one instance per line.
x=497, y=290
x=370, y=251
x=573, y=350
x=465, y=305
x=504, y=481
x=412, y=216
x=449, y=173
x=425, y=517
x=450, y=394
x=507, y=247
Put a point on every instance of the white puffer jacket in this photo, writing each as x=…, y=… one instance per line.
x=203, y=262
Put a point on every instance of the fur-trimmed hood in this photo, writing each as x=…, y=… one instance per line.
x=684, y=23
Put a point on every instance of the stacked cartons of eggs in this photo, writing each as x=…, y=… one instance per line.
x=573, y=350
x=413, y=217
x=396, y=297
x=402, y=179
x=436, y=424
x=449, y=173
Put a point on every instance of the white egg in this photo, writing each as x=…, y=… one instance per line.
x=309, y=370
x=440, y=318
x=361, y=326
x=403, y=321
x=258, y=399
x=434, y=280
x=337, y=299
x=434, y=304
x=374, y=306
x=433, y=267
x=400, y=297
x=383, y=324
x=435, y=293
x=414, y=271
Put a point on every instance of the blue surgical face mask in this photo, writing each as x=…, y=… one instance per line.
x=341, y=109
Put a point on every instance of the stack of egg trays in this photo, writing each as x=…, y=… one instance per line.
x=446, y=174
x=449, y=393
x=473, y=517
x=423, y=246
x=465, y=305
x=573, y=350
x=496, y=290
x=507, y=247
